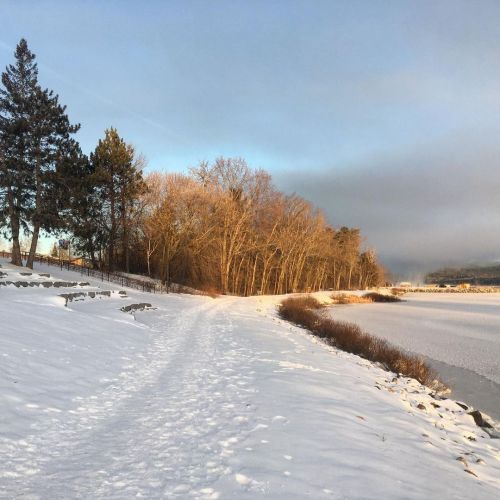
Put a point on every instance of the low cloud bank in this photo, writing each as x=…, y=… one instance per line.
x=422, y=208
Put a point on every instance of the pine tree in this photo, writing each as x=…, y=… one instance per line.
x=39, y=157
x=20, y=82
x=55, y=250
x=118, y=184
x=54, y=152
x=87, y=221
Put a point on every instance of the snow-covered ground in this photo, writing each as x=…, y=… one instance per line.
x=460, y=333
x=213, y=398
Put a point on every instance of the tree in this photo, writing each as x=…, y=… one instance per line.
x=36, y=143
x=117, y=185
x=54, y=252
x=56, y=160
x=225, y=227
x=20, y=81
x=86, y=220
x=349, y=241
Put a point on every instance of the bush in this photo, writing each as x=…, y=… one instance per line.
x=344, y=298
x=380, y=297
x=209, y=290
x=350, y=338
x=304, y=302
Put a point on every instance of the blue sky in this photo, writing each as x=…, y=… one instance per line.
x=337, y=99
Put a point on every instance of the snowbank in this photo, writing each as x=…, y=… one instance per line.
x=202, y=398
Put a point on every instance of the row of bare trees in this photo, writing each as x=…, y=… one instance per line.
x=225, y=227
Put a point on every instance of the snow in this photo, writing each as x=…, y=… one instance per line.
x=456, y=330
x=213, y=398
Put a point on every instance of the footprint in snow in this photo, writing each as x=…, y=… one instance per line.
x=242, y=479
x=182, y=488
x=280, y=419
x=209, y=493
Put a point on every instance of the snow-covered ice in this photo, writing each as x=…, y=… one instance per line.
x=456, y=330
x=213, y=398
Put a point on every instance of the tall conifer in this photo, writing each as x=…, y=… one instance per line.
x=35, y=148
x=20, y=81
x=119, y=184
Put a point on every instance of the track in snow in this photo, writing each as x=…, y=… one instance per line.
x=153, y=429
x=209, y=399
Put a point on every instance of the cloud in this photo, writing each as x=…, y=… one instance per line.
x=427, y=206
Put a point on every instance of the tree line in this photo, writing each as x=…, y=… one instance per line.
x=223, y=226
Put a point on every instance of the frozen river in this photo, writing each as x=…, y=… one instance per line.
x=458, y=333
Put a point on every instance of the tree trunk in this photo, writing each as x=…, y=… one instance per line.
x=148, y=258
x=34, y=243
x=16, y=247
x=38, y=209
x=14, y=228
x=93, y=260
x=111, y=247
x=125, y=243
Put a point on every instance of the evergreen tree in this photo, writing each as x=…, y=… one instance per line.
x=56, y=160
x=20, y=81
x=117, y=184
x=88, y=222
x=39, y=157
x=55, y=250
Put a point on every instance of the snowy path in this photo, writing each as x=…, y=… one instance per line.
x=205, y=398
x=156, y=426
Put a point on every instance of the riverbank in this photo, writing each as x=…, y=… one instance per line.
x=458, y=333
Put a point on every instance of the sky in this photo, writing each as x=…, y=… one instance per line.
x=386, y=114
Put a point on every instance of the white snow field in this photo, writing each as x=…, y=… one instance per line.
x=212, y=398
x=460, y=330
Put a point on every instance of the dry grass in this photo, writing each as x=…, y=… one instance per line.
x=345, y=298
x=367, y=298
x=211, y=291
x=380, y=297
x=306, y=302
x=350, y=338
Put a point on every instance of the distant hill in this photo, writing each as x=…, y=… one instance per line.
x=475, y=275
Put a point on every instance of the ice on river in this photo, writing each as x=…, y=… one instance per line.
x=460, y=331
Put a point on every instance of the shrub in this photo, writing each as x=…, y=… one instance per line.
x=344, y=298
x=380, y=297
x=209, y=290
x=304, y=302
x=350, y=338
x=204, y=290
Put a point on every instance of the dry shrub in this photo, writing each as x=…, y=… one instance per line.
x=345, y=298
x=204, y=290
x=380, y=297
x=304, y=302
x=182, y=289
x=300, y=310
x=211, y=291
x=350, y=338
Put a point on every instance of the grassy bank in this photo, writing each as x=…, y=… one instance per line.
x=367, y=298
x=305, y=312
